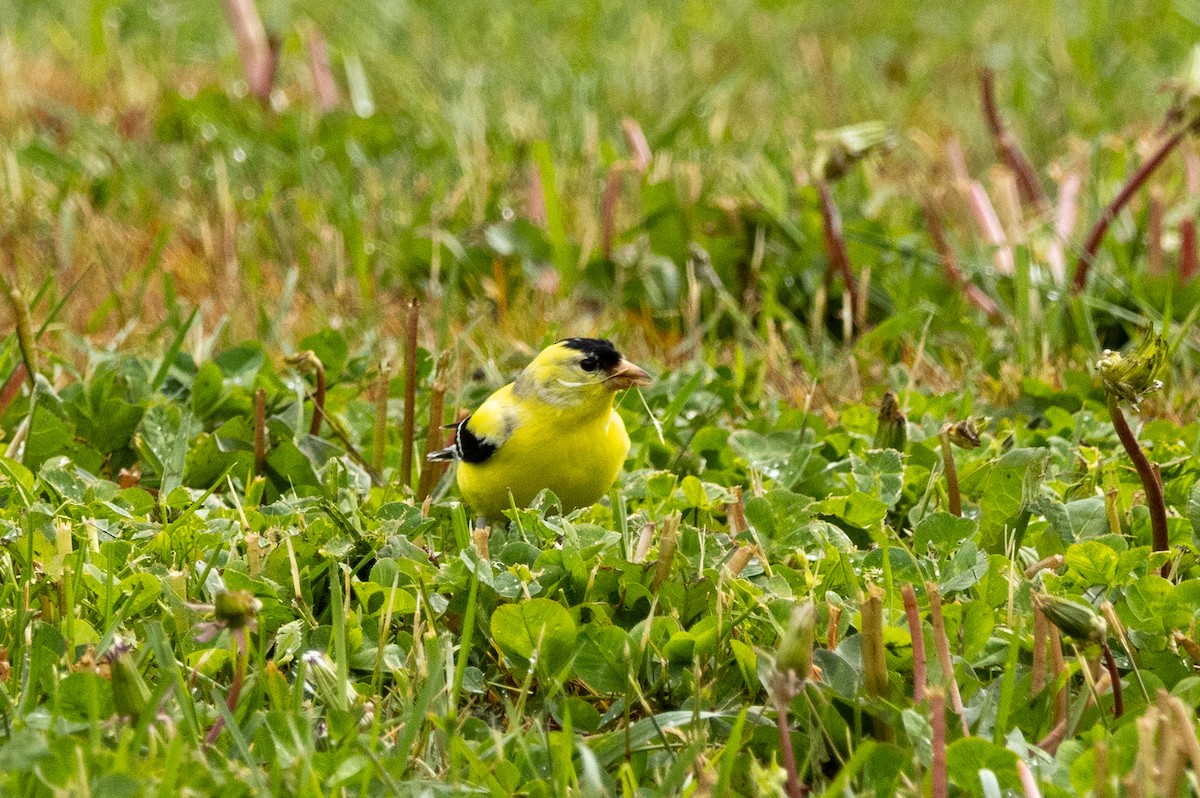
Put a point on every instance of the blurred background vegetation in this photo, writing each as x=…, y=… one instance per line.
x=467, y=155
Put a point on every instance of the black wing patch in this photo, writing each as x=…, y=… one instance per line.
x=470, y=447
x=606, y=355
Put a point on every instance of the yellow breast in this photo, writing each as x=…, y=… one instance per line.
x=576, y=459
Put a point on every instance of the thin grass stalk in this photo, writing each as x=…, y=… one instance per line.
x=318, y=396
x=913, y=614
x=1007, y=148
x=1135, y=181
x=25, y=339
x=260, y=432
x=1155, y=502
x=938, y=774
x=953, y=494
x=410, y=393
x=666, y=550
x=945, y=659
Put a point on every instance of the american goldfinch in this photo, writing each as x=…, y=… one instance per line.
x=553, y=427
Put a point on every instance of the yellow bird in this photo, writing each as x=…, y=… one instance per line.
x=553, y=427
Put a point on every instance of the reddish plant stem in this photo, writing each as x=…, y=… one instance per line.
x=535, y=196
x=937, y=719
x=835, y=241
x=12, y=386
x=943, y=651
x=1060, y=664
x=318, y=396
x=1187, y=249
x=635, y=140
x=913, y=613
x=1028, y=782
x=954, y=274
x=254, y=48
x=235, y=693
x=1136, y=180
x=1115, y=677
x=783, y=697
x=432, y=472
x=1040, y=634
x=322, y=75
x=1154, y=232
x=1187, y=227
x=1007, y=148
x=608, y=207
x=410, y=393
x=1155, y=502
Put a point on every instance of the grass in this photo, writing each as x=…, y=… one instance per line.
x=209, y=586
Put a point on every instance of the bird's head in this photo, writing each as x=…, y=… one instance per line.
x=575, y=371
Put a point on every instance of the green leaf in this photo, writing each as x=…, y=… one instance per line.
x=880, y=473
x=967, y=756
x=1193, y=509
x=537, y=632
x=49, y=436
x=943, y=531
x=603, y=659
x=967, y=568
x=1011, y=486
x=1093, y=563
x=1149, y=604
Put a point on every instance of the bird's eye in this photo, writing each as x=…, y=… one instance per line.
x=588, y=364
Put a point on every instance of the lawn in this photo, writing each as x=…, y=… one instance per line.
x=912, y=506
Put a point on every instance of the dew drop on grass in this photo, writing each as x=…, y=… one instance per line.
x=239, y=155
x=317, y=153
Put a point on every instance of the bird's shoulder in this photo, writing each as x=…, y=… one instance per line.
x=482, y=433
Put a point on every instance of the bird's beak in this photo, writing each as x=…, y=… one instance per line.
x=626, y=375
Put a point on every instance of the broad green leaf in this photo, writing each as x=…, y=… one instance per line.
x=943, y=531
x=604, y=658
x=1011, y=486
x=537, y=633
x=880, y=473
